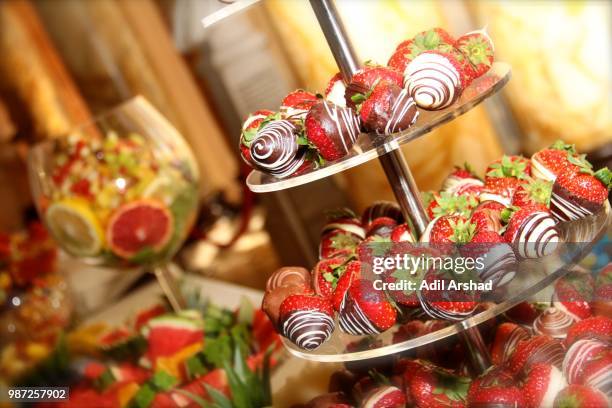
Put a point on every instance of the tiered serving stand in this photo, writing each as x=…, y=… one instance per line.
x=533, y=275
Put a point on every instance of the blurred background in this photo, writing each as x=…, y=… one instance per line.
x=65, y=61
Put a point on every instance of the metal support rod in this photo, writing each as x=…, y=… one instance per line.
x=395, y=166
x=480, y=359
x=168, y=285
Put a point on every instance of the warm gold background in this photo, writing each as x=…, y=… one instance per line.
x=559, y=52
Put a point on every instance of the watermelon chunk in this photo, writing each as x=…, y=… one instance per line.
x=168, y=334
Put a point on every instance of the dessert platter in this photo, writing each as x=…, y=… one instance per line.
x=534, y=217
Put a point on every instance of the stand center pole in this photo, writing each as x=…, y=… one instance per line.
x=395, y=166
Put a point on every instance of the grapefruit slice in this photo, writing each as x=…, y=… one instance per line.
x=75, y=227
x=138, y=226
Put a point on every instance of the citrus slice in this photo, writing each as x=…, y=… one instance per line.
x=139, y=226
x=164, y=189
x=75, y=227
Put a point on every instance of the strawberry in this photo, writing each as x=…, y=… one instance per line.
x=487, y=216
x=509, y=166
x=498, y=262
x=446, y=304
x=537, y=349
x=478, y=49
x=542, y=385
x=507, y=337
x=572, y=293
x=434, y=387
x=580, y=396
x=448, y=229
x=598, y=372
x=446, y=203
x=532, y=231
x=334, y=92
x=249, y=130
x=405, y=297
x=597, y=327
x=329, y=400
x=373, y=246
x=345, y=220
x=351, y=272
x=385, y=396
x=381, y=209
x=306, y=320
x=296, y=104
x=463, y=181
x=548, y=163
x=577, y=357
x=325, y=275
x=503, y=177
x=578, y=195
x=337, y=243
x=388, y=109
x=363, y=82
x=495, y=388
x=365, y=310
x=433, y=39
x=381, y=226
x=331, y=129
x=436, y=79
x=602, y=299
x=402, y=233
x=533, y=191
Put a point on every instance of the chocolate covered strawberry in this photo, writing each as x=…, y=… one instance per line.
x=532, y=231
x=538, y=349
x=572, y=294
x=598, y=373
x=402, y=233
x=325, y=275
x=275, y=148
x=507, y=337
x=273, y=299
x=448, y=229
x=434, y=387
x=249, y=130
x=542, y=385
x=335, y=89
x=597, y=327
x=447, y=203
x=352, y=272
x=478, y=48
x=434, y=39
x=557, y=158
x=495, y=388
x=381, y=226
x=436, y=79
x=532, y=191
x=363, y=82
x=463, y=181
x=343, y=220
x=503, y=177
x=440, y=303
x=381, y=209
x=365, y=310
x=296, y=105
x=388, y=109
x=307, y=321
x=580, y=194
x=578, y=355
x=331, y=129
x=580, y=396
x=498, y=263
x=487, y=216
x=384, y=396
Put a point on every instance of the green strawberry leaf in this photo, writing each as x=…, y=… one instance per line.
x=605, y=176
x=358, y=98
x=561, y=145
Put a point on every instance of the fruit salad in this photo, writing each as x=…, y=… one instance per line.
x=121, y=199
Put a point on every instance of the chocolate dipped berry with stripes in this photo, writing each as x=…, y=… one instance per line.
x=275, y=149
x=331, y=129
x=365, y=310
x=388, y=109
x=306, y=320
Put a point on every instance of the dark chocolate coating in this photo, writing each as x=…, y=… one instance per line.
x=341, y=125
x=566, y=206
x=382, y=209
x=393, y=112
x=307, y=329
